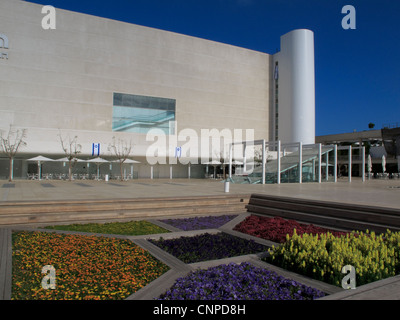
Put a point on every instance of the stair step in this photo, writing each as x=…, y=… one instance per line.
x=340, y=224
x=351, y=214
x=77, y=211
x=324, y=213
x=90, y=207
x=347, y=206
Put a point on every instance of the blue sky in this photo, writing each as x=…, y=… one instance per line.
x=357, y=71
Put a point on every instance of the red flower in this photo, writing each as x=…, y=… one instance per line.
x=276, y=229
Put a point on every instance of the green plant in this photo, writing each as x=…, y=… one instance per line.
x=323, y=256
x=131, y=228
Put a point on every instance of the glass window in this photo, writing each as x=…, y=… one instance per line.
x=134, y=113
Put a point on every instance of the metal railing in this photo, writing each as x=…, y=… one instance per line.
x=391, y=125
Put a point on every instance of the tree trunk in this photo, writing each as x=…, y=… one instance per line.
x=70, y=171
x=11, y=170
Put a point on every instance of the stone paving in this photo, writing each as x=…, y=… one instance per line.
x=374, y=192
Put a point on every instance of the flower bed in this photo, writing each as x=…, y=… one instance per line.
x=198, y=223
x=87, y=267
x=323, y=256
x=239, y=282
x=208, y=247
x=275, y=229
x=130, y=228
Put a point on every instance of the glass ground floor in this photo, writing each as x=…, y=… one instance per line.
x=84, y=170
x=278, y=163
x=298, y=163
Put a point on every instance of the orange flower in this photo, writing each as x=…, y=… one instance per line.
x=87, y=267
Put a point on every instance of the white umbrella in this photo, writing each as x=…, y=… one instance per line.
x=128, y=161
x=236, y=162
x=98, y=161
x=383, y=163
x=39, y=160
x=214, y=163
x=65, y=159
x=369, y=163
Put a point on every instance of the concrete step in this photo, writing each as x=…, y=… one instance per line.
x=326, y=221
x=345, y=206
x=334, y=215
x=117, y=204
x=351, y=213
x=42, y=212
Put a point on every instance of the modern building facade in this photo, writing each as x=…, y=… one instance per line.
x=95, y=79
x=383, y=143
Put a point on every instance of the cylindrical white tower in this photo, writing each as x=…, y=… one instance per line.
x=295, y=88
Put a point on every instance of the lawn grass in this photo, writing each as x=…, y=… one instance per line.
x=130, y=228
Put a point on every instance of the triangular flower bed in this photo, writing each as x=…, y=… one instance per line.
x=86, y=267
x=208, y=246
x=276, y=229
x=238, y=282
x=199, y=223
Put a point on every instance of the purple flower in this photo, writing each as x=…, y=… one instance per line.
x=238, y=282
x=208, y=247
x=198, y=223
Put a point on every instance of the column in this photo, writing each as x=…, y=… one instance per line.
x=278, y=163
x=230, y=160
x=363, y=164
x=326, y=166
x=300, y=162
x=350, y=165
x=335, y=163
x=263, y=162
x=319, y=162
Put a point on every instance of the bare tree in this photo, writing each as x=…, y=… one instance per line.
x=223, y=158
x=121, y=149
x=10, y=145
x=71, y=149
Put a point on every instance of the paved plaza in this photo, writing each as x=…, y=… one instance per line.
x=381, y=193
x=374, y=192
